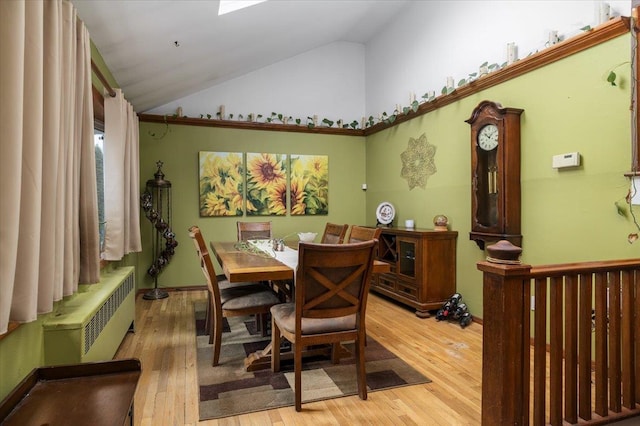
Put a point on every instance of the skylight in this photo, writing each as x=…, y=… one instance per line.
x=227, y=6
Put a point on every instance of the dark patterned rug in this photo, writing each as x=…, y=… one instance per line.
x=228, y=390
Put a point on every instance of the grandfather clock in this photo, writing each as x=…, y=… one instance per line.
x=495, y=174
x=156, y=203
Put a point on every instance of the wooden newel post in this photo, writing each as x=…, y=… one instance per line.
x=505, y=340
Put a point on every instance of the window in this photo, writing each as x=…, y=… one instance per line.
x=98, y=138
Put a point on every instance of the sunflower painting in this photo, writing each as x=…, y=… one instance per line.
x=266, y=184
x=309, y=185
x=221, y=183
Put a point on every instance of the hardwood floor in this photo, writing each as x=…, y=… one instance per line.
x=450, y=356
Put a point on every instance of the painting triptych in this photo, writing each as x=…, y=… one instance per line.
x=263, y=184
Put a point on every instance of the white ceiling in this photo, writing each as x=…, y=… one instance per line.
x=137, y=39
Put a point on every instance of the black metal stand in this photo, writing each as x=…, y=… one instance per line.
x=156, y=201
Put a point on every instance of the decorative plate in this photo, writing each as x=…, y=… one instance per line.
x=385, y=213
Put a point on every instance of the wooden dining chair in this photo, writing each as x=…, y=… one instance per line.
x=334, y=233
x=332, y=284
x=363, y=233
x=229, y=299
x=253, y=230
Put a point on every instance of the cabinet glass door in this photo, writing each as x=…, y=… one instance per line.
x=407, y=258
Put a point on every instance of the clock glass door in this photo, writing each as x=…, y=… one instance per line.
x=488, y=192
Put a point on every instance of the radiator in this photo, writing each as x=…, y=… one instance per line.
x=90, y=325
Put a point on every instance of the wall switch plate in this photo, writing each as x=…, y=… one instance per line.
x=570, y=159
x=364, y=186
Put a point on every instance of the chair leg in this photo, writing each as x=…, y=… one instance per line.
x=275, y=347
x=335, y=352
x=264, y=324
x=217, y=340
x=297, y=365
x=208, y=322
x=361, y=372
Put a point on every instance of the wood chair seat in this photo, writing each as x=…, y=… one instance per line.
x=286, y=314
x=247, y=298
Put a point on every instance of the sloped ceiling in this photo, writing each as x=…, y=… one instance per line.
x=160, y=51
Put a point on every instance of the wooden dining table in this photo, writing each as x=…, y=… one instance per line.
x=242, y=265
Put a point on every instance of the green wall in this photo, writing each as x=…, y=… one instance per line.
x=179, y=149
x=567, y=215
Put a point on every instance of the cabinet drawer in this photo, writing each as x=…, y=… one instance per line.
x=407, y=290
x=388, y=282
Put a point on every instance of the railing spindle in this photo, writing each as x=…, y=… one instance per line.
x=584, y=347
x=628, y=367
x=571, y=349
x=540, y=353
x=614, y=343
x=601, y=356
x=555, y=352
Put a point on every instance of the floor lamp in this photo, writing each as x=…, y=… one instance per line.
x=156, y=203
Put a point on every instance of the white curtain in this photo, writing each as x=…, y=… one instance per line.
x=122, y=193
x=49, y=225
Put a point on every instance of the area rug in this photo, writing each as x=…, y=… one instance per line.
x=228, y=390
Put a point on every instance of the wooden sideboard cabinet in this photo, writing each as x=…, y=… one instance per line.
x=423, y=267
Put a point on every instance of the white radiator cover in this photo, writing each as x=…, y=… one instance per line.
x=90, y=326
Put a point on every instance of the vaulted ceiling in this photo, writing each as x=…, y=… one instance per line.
x=160, y=51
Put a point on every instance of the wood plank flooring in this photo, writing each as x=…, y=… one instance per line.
x=450, y=356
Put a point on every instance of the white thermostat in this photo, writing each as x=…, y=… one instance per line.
x=570, y=159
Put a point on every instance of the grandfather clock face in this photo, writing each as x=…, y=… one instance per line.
x=495, y=173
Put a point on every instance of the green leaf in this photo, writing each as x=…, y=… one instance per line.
x=405, y=110
x=297, y=121
x=462, y=82
x=621, y=208
x=586, y=28
x=484, y=64
x=611, y=78
x=392, y=119
x=327, y=122
x=444, y=90
x=414, y=106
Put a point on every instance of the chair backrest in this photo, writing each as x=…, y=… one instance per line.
x=206, y=264
x=253, y=230
x=363, y=233
x=332, y=280
x=334, y=233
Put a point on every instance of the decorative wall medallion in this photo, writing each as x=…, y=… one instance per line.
x=417, y=162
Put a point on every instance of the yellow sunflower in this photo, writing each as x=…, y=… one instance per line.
x=298, y=205
x=278, y=198
x=266, y=171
